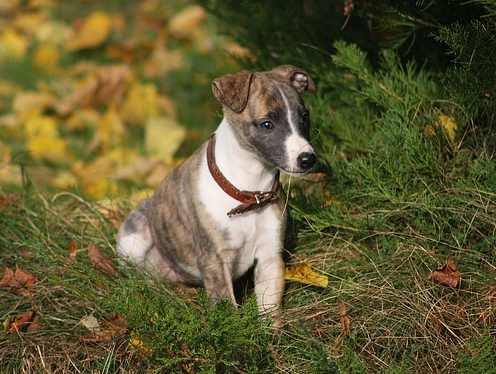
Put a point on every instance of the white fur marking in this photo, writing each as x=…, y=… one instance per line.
x=295, y=143
x=133, y=246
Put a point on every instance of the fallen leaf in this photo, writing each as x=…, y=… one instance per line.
x=137, y=344
x=113, y=327
x=162, y=62
x=344, y=318
x=14, y=45
x=101, y=262
x=93, y=31
x=184, y=22
x=18, y=281
x=449, y=126
x=43, y=139
x=110, y=131
x=104, y=86
x=447, y=275
x=21, y=321
x=25, y=278
x=140, y=104
x=8, y=200
x=72, y=252
x=8, y=279
x=26, y=253
x=35, y=325
x=304, y=273
x=90, y=322
x=46, y=57
x=163, y=136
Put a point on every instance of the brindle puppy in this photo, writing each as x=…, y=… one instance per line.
x=183, y=232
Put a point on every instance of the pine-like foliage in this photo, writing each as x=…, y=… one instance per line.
x=403, y=121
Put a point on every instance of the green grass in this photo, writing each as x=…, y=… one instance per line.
x=395, y=206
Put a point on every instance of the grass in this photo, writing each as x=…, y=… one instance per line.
x=394, y=206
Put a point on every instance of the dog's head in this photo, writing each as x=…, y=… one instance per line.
x=268, y=116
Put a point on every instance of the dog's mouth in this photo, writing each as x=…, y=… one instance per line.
x=295, y=173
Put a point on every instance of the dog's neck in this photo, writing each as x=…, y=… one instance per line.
x=241, y=167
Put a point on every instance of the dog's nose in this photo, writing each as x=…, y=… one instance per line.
x=306, y=160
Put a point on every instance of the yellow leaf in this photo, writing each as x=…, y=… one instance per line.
x=163, y=61
x=137, y=196
x=29, y=22
x=163, y=136
x=137, y=344
x=111, y=130
x=304, y=273
x=140, y=104
x=64, y=180
x=85, y=118
x=46, y=57
x=27, y=103
x=42, y=138
x=186, y=21
x=54, y=33
x=449, y=126
x=12, y=44
x=94, y=31
x=7, y=6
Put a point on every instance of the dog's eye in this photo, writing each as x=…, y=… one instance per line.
x=267, y=125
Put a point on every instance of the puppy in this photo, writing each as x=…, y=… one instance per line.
x=220, y=212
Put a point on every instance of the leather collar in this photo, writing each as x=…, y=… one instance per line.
x=250, y=200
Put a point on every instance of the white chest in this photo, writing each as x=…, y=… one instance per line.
x=247, y=237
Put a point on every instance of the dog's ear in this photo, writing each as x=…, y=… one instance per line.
x=233, y=90
x=298, y=78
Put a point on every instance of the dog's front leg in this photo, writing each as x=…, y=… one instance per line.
x=217, y=278
x=269, y=283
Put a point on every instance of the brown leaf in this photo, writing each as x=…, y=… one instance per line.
x=26, y=253
x=21, y=321
x=7, y=200
x=112, y=327
x=101, y=262
x=447, y=275
x=72, y=252
x=25, y=278
x=18, y=281
x=344, y=318
x=107, y=85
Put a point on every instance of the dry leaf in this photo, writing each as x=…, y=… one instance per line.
x=46, y=57
x=72, y=252
x=18, y=281
x=14, y=45
x=449, y=126
x=43, y=140
x=8, y=200
x=304, y=273
x=22, y=322
x=90, y=322
x=94, y=31
x=186, y=21
x=344, y=318
x=447, y=275
x=141, y=103
x=137, y=344
x=163, y=136
x=101, y=262
x=105, y=86
x=113, y=327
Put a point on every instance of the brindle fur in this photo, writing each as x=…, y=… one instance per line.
x=185, y=245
